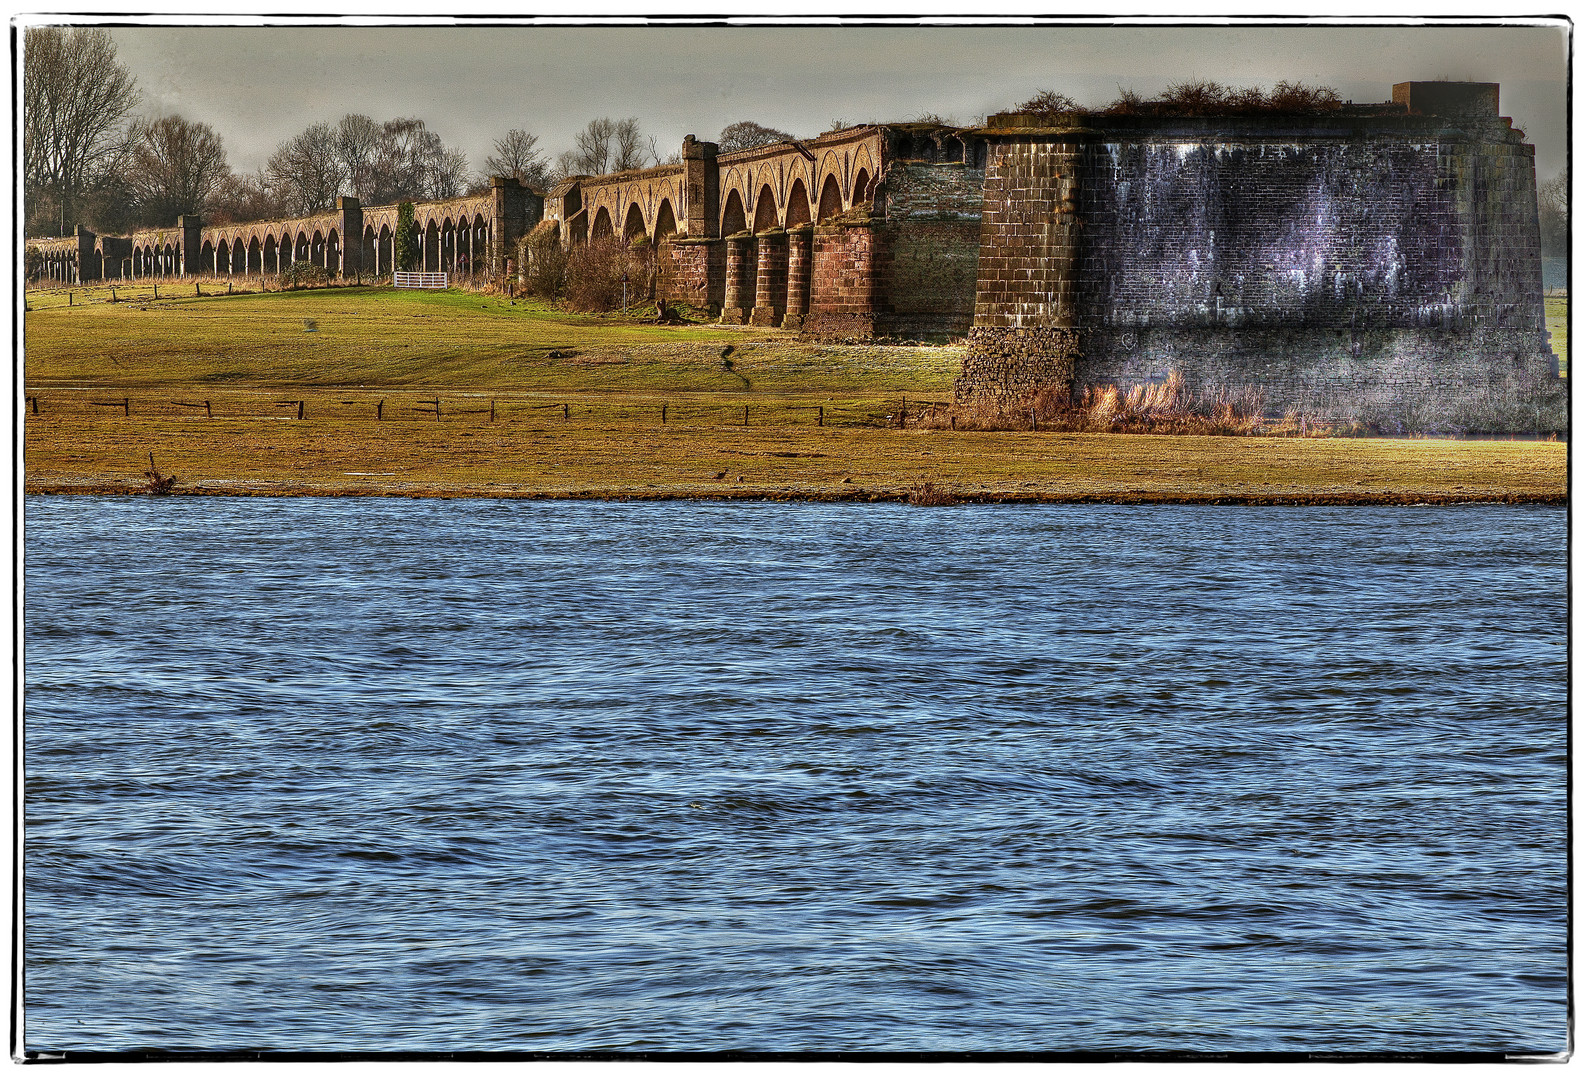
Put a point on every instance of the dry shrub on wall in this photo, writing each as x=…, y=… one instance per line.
x=592, y=275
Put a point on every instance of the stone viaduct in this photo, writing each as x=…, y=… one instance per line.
x=474, y=234
x=869, y=230
x=1375, y=261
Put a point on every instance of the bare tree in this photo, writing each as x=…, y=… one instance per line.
x=75, y=97
x=746, y=134
x=176, y=164
x=445, y=173
x=244, y=198
x=356, y=139
x=305, y=171
x=607, y=145
x=630, y=146
x=516, y=155
x=412, y=162
x=1553, y=222
x=593, y=146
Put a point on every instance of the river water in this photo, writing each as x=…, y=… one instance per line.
x=426, y=776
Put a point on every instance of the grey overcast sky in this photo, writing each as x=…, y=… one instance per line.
x=260, y=85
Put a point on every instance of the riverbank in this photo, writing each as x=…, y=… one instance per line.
x=365, y=391
x=638, y=458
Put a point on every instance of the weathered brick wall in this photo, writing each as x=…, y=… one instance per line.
x=1385, y=272
x=932, y=232
x=848, y=267
x=909, y=271
x=692, y=272
x=1023, y=343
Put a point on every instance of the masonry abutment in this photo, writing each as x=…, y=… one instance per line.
x=740, y=264
x=799, y=268
x=769, y=301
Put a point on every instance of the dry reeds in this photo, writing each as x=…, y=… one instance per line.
x=927, y=494
x=1165, y=408
x=155, y=482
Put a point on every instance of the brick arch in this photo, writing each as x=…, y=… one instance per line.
x=829, y=198
x=664, y=225
x=860, y=188
x=602, y=225
x=735, y=217
x=253, y=263
x=635, y=224
x=798, y=209
x=766, y=215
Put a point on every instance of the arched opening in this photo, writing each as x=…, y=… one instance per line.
x=268, y=255
x=301, y=248
x=797, y=209
x=168, y=260
x=765, y=216
x=334, y=251
x=254, y=265
x=239, y=256
x=368, y=249
x=664, y=226
x=635, y=226
x=735, y=219
x=602, y=229
x=431, y=261
x=445, y=246
x=207, y=256
x=318, y=249
x=860, y=189
x=478, y=244
x=384, y=251
x=829, y=199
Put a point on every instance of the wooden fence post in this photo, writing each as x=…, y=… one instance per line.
x=196, y=288
x=744, y=416
x=68, y=299
x=567, y=410
x=207, y=410
x=821, y=416
x=301, y=410
x=379, y=405
x=492, y=411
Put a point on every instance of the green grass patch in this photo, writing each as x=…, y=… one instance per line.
x=380, y=337
x=1555, y=319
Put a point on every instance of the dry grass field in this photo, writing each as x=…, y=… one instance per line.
x=482, y=396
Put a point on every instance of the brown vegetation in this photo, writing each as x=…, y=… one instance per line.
x=1165, y=408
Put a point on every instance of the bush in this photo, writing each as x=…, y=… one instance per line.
x=405, y=252
x=592, y=275
x=303, y=274
x=544, y=262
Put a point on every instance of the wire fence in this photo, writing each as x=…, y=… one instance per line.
x=899, y=411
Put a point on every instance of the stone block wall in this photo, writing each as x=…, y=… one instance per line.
x=1384, y=270
x=849, y=266
x=932, y=232
x=692, y=271
x=1010, y=367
